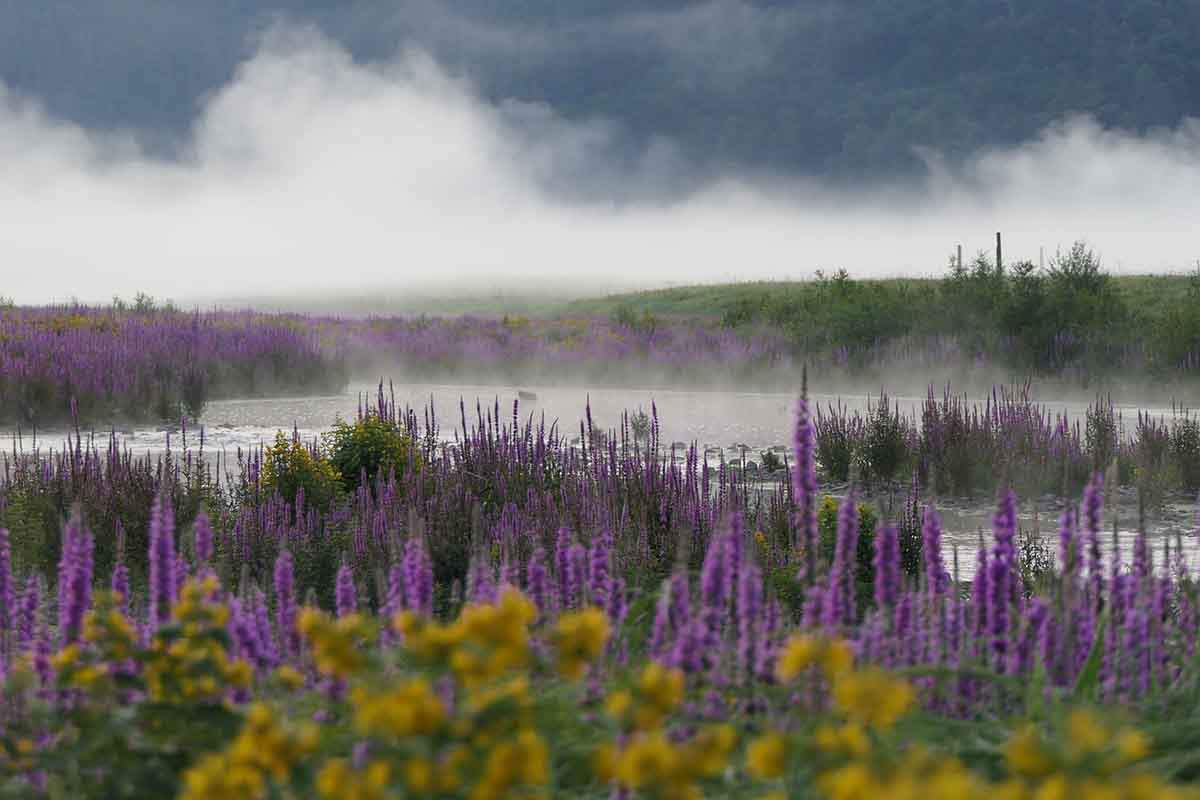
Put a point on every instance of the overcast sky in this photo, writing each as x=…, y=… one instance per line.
x=193, y=154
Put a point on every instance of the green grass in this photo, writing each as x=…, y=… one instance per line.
x=1148, y=295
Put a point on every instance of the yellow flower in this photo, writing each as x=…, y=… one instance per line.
x=708, y=753
x=649, y=759
x=1086, y=732
x=333, y=777
x=853, y=781
x=837, y=659
x=873, y=697
x=766, y=757
x=289, y=677
x=1026, y=753
x=604, y=763
x=65, y=658
x=580, y=637
x=798, y=654
x=418, y=775
x=847, y=740
x=1132, y=746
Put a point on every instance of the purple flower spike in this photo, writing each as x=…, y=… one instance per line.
x=839, y=606
x=345, y=593
x=931, y=547
x=285, y=605
x=535, y=578
x=75, y=569
x=163, y=589
x=598, y=570
x=8, y=593
x=804, y=486
x=887, y=566
x=203, y=540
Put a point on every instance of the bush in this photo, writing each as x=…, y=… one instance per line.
x=867, y=521
x=367, y=447
x=289, y=466
x=1185, y=446
x=886, y=445
x=838, y=436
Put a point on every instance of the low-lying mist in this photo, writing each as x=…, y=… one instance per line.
x=310, y=172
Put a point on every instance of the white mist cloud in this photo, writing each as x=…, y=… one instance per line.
x=310, y=171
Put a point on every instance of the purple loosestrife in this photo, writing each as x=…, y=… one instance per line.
x=1093, y=509
x=598, y=569
x=285, y=605
x=27, y=613
x=481, y=588
x=804, y=487
x=1004, y=527
x=163, y=589
x=839, y=608
x=262, y=629
x=1068, y=547
x=735, y=554
x=8, y=596
x=931, y=548
x=713, y=585
x=418, y=578
x=562, y=566
x=535, y=581
x=887, y=566
x=76, y=597
x=202, y=539
x=119, y=584
x=576, y=572
x=345, y=592
x=980, y=601
x=1036, y=618
x=749, y=613
x=394, y=602
x=999, y=578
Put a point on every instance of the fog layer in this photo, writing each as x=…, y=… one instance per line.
x=309, y=171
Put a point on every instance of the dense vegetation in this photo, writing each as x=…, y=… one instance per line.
x=1071, y=317
x=137, y=362
x=520, y=617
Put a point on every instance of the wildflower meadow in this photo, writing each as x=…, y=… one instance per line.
x=504, y=614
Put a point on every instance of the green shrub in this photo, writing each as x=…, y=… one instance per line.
x=368, y=446
x=1185, y=447
x=289, y=466
x=867, y=520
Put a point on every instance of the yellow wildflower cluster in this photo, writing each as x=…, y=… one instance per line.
x=646, y=706
x=579, y=639
x=873, y=697
x=655, y=767
x=188, y=662
x=265, y=751
x=1087, y=759
x=337, y=779
x=803, y=651
x=410, y=709
x=338, y=646
x=917, y=775
x=522, y=761
x=484, y=643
